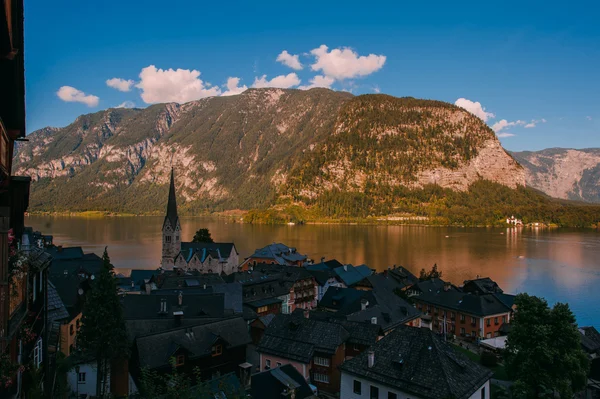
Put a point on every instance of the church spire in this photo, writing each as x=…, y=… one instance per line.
x=172, y=204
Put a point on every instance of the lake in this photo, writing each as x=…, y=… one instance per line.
x=559, y=264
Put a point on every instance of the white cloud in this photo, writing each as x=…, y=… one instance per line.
x=475, y=108
x=376, y=89
x=529, y=125
x=503, y=124
x=120, y=84
x=126, y=104
x=290, y=60
x=233, y=87
x=170, y=85
x=505, y=134
x=281, y=81
x=319, y=81
x=71, y=94
x=344, y=63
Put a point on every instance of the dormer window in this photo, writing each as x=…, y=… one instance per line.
x=179, y=360
x=217, y=350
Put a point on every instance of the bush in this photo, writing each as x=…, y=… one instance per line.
x=488, y=359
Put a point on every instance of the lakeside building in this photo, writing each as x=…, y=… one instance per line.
x=276, y=254
x=413, y=363
x=204, y=257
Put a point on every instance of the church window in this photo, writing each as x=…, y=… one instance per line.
x=177, y=238
x=167, y=239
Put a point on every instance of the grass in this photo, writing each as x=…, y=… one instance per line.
x=499, y=370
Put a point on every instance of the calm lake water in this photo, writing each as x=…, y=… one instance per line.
x=561, y=265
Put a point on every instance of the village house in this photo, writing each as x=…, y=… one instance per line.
x=213, y=349
x=204, y=257
x=352, y=275
x=324, y=280
x=276, y=254
x=413, y=363
x=466, y=314
x=281, y=382
x=316, y=348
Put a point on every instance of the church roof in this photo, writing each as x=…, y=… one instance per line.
x=172, y=204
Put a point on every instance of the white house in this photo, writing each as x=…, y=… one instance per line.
x=83, y=377
x=414, y=363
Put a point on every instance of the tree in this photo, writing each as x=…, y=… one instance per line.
x=202, y=235
x=103, y=336
x=544, y=353
x=434, y=273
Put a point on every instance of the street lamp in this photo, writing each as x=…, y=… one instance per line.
x=77, y=379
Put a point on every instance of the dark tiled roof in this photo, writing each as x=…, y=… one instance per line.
x=90, y=264
x=473, y=304
x=432, y=285
x=141, y=327
x=155, y=350
x=416, y=361
x=483, y=285
x=345, y=301
x=270, y=384
x=67, y=288
x=56, y=308
x=139, y=276
x=65, y=253
x=360, y=333
x=403, y=276
x=280, y=253
x=193, y=280
x=193, y=306
x=322, y=276
x=282, y=272
x=298, y=338
x=506, y=299
x=233, y=295
x=590, y=339
x=267, y=319
x=263, y=302
x=217, y=250
x=351, y=275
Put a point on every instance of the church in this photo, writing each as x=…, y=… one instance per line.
x=200, y=256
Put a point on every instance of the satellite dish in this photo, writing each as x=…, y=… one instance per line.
x=80, y=291
x=92, y=277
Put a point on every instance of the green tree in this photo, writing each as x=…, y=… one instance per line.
x=544, y=353
x=202, y=235
x=433, y=273
x=103, y=336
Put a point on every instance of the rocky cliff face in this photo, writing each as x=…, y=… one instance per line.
x=563, y=173
x=246, y=151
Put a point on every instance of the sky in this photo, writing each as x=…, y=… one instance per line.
x=531, y=70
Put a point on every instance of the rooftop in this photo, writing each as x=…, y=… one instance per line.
x=472, y=304
x=416, y=361
x=272, y=383
x=351, y=275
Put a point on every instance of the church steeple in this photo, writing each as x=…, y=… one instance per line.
x=172, y=204
x=171, y=230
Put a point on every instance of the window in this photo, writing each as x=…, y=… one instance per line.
x=81, y=378
x=496, y=320
x=38, y=353
x=278, y=364
x=392, y=395
x=488, y=335
x=262, y=309
x=473, y=321
x=321, y=361
x=217, y=350
x=483, y=393
x=462, y=331
x=452, y=315
x=34, y=287
x=503, y=319
x=374, y=392
x=267, y=364
x=357, y=387
x=356, y=347
x=496, y=333
x=167, y=239
x=324, y=378
x=488, y=322
x=462, y=318
x=179, y=360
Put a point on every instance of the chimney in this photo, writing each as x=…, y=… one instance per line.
x=345, y=268
x=371, y=357
x=373, y=320
x=180, y=298
x=447, y=286
x=322, y=259
x=59, y=248
x=363, y=304
x=306, y=314
x=132, y=284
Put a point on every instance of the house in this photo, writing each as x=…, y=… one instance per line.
x=314, y=347
x=590, y=343
x=325, y=264
x=345, y=301
x=403, y=276
x=82, y=378
x=304, y=288
x=413, y=363
x=281, y=382
x=203, y=257
x=464, y=313
x=213, y=349
x=277, y=254
x=324, y=279
x=258, y=327
x=484, y=285
x=431, y=285
x=352, y=275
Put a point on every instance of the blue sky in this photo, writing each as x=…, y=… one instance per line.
x=528, y=63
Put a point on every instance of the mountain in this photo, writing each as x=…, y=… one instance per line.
x=247, y=150
x=297, y=155
x=563, y=172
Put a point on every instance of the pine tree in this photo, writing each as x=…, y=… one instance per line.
x=103, y=335
x=202, y=235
